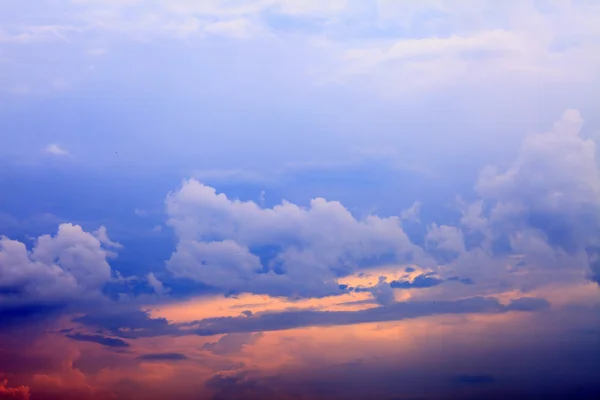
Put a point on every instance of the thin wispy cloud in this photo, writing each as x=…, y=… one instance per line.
x=56, y=150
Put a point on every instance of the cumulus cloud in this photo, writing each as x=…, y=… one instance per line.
x=446, y=237
x=552, y=187
x=70, y=262
x=221, y=240
x=13, y=393
x=555, y=174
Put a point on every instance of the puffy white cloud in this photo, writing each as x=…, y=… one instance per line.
x=221, y=239
x=214, y=263
x=70, y=262
x=538, y=218
x=553, y=184
x=446, y=237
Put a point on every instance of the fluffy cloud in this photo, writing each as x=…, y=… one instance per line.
x=13, y=393
x=543, y=207
x=71, y=262
x=303, y=249
x=552, y=187
x=555, y=173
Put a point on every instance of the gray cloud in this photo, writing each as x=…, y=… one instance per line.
x=393, y=312
x=103, y=340
x=163, y=357
x=231, y=343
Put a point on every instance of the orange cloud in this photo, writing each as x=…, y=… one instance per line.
x=13, y=393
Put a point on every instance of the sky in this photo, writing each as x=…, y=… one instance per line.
x=299, y=199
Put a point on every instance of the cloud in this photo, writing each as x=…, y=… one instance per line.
x=221, y=240
x=56, y=150
x=412, y=213
x=103, y=340
x=426, y=281
x=15, y=315
x=163, y=357
x=553, y=187
x=555, y=174
x=13, y=393
x=231, y=343
x=68, y=263
x=38, y=33
x=238, y=385
x=156, y=284
x=237, y=28
x=274, y=321
x=382, y=292
x=127, y=323
x=102, y=236
x=446, y=237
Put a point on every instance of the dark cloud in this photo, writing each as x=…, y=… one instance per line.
x=528, y=304
x=426, y=280
x=273, y=321
x=18, y=314
x=103, y=340
x=238, y=385
x=163, y=357
x=127, y=323
x=231, y=343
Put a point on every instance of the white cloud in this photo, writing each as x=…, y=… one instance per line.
x=412, y=213
x=312, y=245
x=156, y=284
x=555, y=174
x=397, y=47
x=102, y=236
x=38, y=33
x=68, y=263
x=222, y=263
x=446, y=237
x=543, y=207
x=238, y=28
x=56, y=150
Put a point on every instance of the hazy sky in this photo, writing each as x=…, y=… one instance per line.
x=286, y=199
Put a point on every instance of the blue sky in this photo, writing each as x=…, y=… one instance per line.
x=282, y=196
